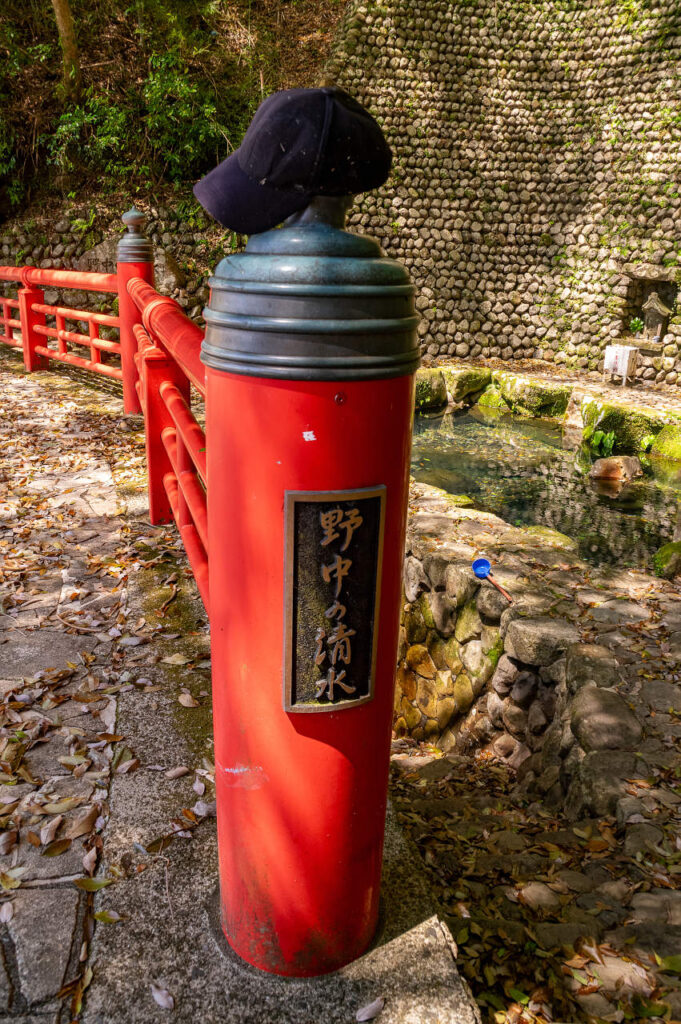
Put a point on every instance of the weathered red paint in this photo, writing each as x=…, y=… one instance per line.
x=301, y=797
x=129, y=315
x=29, y=319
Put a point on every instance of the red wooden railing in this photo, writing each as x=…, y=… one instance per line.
x=157, y=359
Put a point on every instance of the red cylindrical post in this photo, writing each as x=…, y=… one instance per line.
x=29, y=319
x=310, y=351
x=135, y=258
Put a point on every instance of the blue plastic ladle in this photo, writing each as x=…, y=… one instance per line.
x=483, y=570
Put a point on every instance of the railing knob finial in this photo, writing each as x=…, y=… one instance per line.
x=134, y=247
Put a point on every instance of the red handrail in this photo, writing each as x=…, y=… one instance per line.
x=81, y=280
x=166, y=320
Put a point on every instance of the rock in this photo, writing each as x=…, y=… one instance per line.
x=616, y=612
x=42, y=929
x=468, y=623
x=463, y=693
x=599, y=781
x=431, y=389
x=491, y=604
x=406, y=682
x=641, y=838
x=551, y=538
x=565, y=934
x=537, y=720
x=442, y=612
x=600, y=720
x=667, y=560
x=617, y=467
x=415, y=579
x=419, y=660
x=539, y=641
x=446, y=655
x=491, y=398
x=414, y=624
x=529, y=396
x=465, y=381
x=479, y=667
x=460, y=584
x=524, y=689
x=495, y=707
x=631, y=425
x=515, y=719
x=538, y=896
x=656, y=905
x=504, y=746
x=589, y=663
x=505, y=675
x=667, y=444
x=661, y=695
x=102, y=259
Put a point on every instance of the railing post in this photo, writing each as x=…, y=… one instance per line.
x=135, y=258
x=157, y=367
x=29, y=319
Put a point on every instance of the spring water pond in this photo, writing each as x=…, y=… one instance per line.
x=520, y=470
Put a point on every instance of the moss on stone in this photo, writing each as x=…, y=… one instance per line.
x=631, y=425
x=491, y=398
x=552, y=537
x=463, y=693
x=527, y=396
x=468, y=623
x=667, y=444
x=431, y=390
x=463, y=382
x=667, y=560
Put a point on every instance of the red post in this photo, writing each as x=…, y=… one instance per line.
x=29, y=319
x=135, y=259
x=157, y=368
x=310, y=351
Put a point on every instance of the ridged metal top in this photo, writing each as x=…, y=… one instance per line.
x=311, y=302
x=134, y=247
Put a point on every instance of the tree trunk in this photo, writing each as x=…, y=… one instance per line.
x=67, y=38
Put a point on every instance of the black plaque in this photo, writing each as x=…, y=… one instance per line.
x=334, y=552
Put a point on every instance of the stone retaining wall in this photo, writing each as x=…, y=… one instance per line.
x=516, y=680
x=536, y=157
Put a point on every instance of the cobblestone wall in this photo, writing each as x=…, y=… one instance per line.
x=536, y=155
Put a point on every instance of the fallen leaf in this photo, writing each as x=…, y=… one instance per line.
x=175, y=659
x=177, y=773
x=6, y=912
x=83, y=822
x=49, y=831
x=187, y=701
x=163, y=997
x=56, y=848
x=108, y=917
x=128, y=766
x=371, y=1010
x=8, y=841
x=90, y=860
x=93, y=884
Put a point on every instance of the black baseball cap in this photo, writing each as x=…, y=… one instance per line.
x=300, y=144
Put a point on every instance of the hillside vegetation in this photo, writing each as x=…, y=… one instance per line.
x=168, y=88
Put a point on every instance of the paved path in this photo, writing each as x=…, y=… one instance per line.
x=108, y=860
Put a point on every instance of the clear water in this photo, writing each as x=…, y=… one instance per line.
x=519, y=470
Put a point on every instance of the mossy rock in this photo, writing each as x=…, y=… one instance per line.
x=667, y=560
x=632, y=427
x=463, y=693
x=431, y=390
x=460, y=500
x=446, y=709
x=667, y=472
x=468, y=623
x=465, y=381
x=491, y=398
x=667, y=444
x=410, y=714
x=529, y=397
x=553, y=538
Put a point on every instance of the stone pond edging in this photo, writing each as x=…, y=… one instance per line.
x=582, y=407
x=517, y=681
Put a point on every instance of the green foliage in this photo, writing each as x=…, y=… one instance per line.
x=635, y=324
x=602, y=443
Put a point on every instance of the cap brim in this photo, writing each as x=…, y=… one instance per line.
x=243, y=205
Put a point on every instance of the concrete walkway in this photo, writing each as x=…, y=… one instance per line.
x=108, y=863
